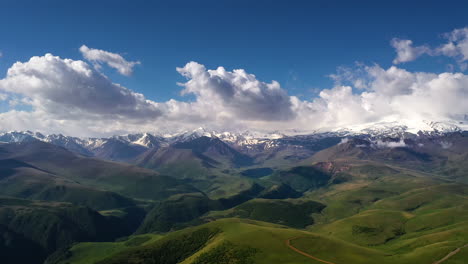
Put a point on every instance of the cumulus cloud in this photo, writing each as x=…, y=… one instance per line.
x=456, y=47
x=396, y=94
x=113, y=60
x=72, y=97
x=68, y=88
x=338, y=106
x=457, y=44
x=238, y=92
x=406, y=51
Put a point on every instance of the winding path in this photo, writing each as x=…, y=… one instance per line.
x=288, y=243
x=450, y=254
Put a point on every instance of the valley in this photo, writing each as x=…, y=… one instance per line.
x=199, y=199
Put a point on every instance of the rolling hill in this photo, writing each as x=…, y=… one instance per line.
x=200, y=201
x=204, y=151
x=240, y=241
x=49, y=163
x=43, y=227
x=203, y=162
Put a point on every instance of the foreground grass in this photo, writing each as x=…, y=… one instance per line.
x=265, y=243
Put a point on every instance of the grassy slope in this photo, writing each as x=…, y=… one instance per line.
x=459, y=258
x=404, y=216
x=268, y=241
x=31, y=183
x=41, y=228
x=301, y=178
x=184, y=210
x=414, y=218
x=370, y=183
x=124, y=179
x=184, y=164
x=203, y=162
x=383, y=213
x=380, y=213
x=91, y=252
x=289, y=212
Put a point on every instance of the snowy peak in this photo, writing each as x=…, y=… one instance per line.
x=402, y=127
x=251, y=142
x=148, y=140
x=445, y=127
x=20, y=136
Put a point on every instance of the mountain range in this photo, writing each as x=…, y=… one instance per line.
x=128, y=147
x=386, y=192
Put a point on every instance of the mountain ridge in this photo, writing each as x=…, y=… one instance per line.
x=128, y=147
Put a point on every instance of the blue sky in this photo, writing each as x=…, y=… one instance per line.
x=297, y=43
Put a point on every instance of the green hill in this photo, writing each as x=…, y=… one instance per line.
x=246, y=241
x=22, y=180
x=183, y=210
x=293, y=213
x=44, y=227
x=301, y=178
x=125, y=179
x=202, y=162
x=357, y=203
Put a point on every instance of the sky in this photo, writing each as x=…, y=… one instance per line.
x=95, y=68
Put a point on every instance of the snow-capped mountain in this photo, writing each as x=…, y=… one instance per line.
x=402, y=127
x=251, y=142
x=72, y=143
x=122, y=147
x=20, y=136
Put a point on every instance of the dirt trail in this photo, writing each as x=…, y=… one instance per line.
x=288, y=243
x=450, y=254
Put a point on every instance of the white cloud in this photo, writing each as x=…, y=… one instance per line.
x=445, y=144
x=72, y=97
x=344, y=141
x=399, y=94
x=337, y=107
x=237, y=92
x=113, y=60
x=43, y=122
x=406, y=51
x=456, y=47
x=67, y=88
x=390, y=144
